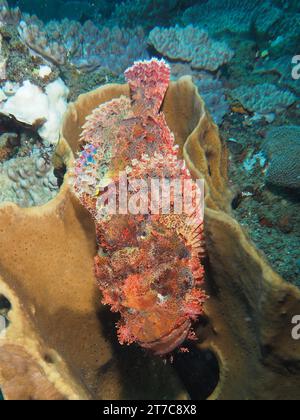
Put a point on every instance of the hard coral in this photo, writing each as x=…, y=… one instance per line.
x=282, y=146
x=233, y=16
x=210, y=88
x=27, y=174
x=264, y=98
x=7, y=15
x=192, y=45
x=212, y=91
x=148, y=265
x=86, y=47
x=144, y=12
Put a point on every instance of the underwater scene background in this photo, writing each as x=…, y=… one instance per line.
x=244, y=73
x=244, y=59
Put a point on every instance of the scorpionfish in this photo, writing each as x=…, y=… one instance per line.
x=148, y=266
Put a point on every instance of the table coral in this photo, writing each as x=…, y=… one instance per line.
x=233, y=16
x=281, y=68
x=150, y=271
x=287, y=30
x=192, y=45
x=86, y=46
x=264, y=99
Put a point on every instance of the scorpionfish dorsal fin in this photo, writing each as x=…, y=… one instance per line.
x=148, y=82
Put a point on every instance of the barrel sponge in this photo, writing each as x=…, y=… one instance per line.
x=58, y=342
x=282, y=146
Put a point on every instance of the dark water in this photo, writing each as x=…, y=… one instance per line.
x=85, y=9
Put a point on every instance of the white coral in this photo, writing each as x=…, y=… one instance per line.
x=30, y=105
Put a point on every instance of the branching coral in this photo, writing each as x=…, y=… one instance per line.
x=148, y=265
x=192, y=45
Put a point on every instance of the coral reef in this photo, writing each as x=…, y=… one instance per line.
x=151, y=271
x=20, y=64
x=73, y=9
x=58, y=340
x=60, y=337
x=210, y=87
x=26, y=170
x=285, y=35
x=192, y=45
x=213, y=93
x=281, y=68
x=268, y=213
x=8, y=15
x=3, y=61
x=233, y=16
x=145, y=12
x=30, y=105
x=282, y=146
x=85, y=46
x=7, y=143
x=264, y=99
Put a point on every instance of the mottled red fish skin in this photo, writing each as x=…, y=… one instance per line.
x=148, y=267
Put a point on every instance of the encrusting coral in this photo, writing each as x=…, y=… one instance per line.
x=151, y=271
x=60, y=340
x=26, y=171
